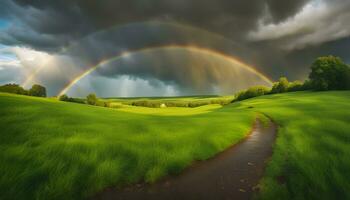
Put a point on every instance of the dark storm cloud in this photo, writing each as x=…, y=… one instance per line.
x=280, y=10
x=279, y=37
x=67, y=20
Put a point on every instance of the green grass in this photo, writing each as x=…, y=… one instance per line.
x=58, y=150
x=311, y=157
x=170, y=111
x=186, y=101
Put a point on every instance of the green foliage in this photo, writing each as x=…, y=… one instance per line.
x=103, y=104
x=70, y=99
x=281, y=86
x=144, y=103
x=13, y=88
x=63, y=98
x=173, y=102
x=37, y=90
x=296, y=86
x=91, y=99
x=330, y=73
x=252, y=92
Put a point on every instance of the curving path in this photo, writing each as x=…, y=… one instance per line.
x=232, y=174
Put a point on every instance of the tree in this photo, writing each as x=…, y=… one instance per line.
x=63, y=98
x=91, y=99
x=37, y=90
x=13, y=88
x=329, y=73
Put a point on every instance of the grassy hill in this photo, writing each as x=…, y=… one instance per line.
x=311, y=155
x=57, y=150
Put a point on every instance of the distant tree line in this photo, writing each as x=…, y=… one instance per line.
x=71, y=99
x=35, y=90
x=327, y=73
x=182, y=103
x=91, y=99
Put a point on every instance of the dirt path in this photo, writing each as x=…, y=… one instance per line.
x=231, y=174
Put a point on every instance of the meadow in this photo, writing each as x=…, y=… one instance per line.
x=181, y=101
x=58, y=150
x=311, y=155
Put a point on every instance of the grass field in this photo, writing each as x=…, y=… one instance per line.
x=311, y=157
x=185, y=101
x=57, y=150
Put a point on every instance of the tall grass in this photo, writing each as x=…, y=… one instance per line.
x=311, y=158
x=58, y=150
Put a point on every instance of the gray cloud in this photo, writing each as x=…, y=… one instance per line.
x=278, y=37
x=316, y=23
x=68, y=20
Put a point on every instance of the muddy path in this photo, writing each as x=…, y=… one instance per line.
x=232, y=174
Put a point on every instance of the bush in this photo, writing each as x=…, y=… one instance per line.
x=252, y=92
x=220, y=101
x=330, y=73
x=151, y=104
x=281, y=86
x=176, y=104
x=38, y=91
x=296, y=86
x=194, y=104
x=91, y=99
x=70, y=99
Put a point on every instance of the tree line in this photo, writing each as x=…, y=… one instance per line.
x=36, y=90
x=327, y=73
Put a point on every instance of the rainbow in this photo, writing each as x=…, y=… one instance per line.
x=193, y=49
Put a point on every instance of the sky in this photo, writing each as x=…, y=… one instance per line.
x=166, y=47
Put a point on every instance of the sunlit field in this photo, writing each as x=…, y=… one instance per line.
x=57, y=150
x=185, y=101
x=170, y=111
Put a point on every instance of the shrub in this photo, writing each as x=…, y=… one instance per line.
x=63, y=98
x=296, y=86
x=177, y=104
x=252, y=92
x=150, y=104
x=307, y=85
x=37, y=90
x=104, y=104
x=91, y=99
x=194, y=104
x=221, y=101
x=330, y=73
x=280, y=86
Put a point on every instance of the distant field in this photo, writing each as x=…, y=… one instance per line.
x=57, y=150
x=189, y=101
